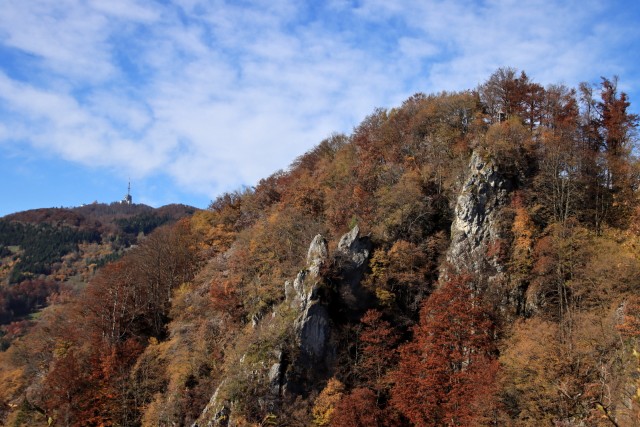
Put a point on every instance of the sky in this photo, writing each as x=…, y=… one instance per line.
x=188, y=99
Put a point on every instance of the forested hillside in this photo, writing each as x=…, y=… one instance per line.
x=46, y=251
x=464, y=259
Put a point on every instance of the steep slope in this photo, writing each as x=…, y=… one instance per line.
x=464, y=259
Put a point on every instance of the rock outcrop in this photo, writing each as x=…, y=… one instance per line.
x=317, y=254
x=311, y=295
x=351, y=256
x=313, y=324
x=480, y=233
x=478, y=224
x=354, y=248
x=312, y=360
x=215, y=414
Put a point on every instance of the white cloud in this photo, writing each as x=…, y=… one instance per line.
x=67, y=37
x=416, y=48
x=121, y=111
x=530, y=35
x=57, y=122
x=216, y=95
x=125, y=9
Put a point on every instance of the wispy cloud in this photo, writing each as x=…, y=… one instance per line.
x=215, y=95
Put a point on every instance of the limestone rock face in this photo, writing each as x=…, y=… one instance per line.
x=481, y=225
x=314, y=330
x=306, y=282
x=215, y=414
x=477, y=215
x=313, y=326
x=309, y=298
x=354, y=248
x=352, y=255
x=317, y=254
x=276, y=374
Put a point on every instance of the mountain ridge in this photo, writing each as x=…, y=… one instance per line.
x=467, y=258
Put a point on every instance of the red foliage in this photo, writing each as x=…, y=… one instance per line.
x=24, y=298
x=16, y=329
x=358, y=409
x=379, y=339
x=65, y=384
x=630, y=326
x=446, y=374
x=109, y=377
x=225, y=299
x=88, y=388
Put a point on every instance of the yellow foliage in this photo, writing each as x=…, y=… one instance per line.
x=385, y=297
x=326, y=402
x=152, y=414
x=11, y=380
x=378, y=264
x=522, y=229
x=61, y=348
x=180, y=298
x=12, y=385
x=530, y=368
x=213, y=232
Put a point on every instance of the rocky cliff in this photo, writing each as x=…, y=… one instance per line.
x=309, y=359
x=481, y=234
x=478, y=224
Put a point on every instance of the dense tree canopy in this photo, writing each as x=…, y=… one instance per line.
x=200, y=307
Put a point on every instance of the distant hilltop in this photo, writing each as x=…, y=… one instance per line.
x=126, y=200
x=56, y=244
x=101, y=213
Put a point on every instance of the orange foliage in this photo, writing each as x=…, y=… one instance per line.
x=326, y=402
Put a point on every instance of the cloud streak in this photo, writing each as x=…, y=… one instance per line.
x=214, y=95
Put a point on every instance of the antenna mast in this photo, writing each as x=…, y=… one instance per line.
x=128, y=200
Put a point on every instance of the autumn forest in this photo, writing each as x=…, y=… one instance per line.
x=466, y=258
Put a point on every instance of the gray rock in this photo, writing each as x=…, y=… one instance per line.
x=354, y=248
x=314, y=330
x=276, y=374
x=305, y=283
x=314, y=358
x=313, y=325
x=289, y=291
x=299, y=288
x=476, y=222
x=215, y=414
x=317, y=254
x=352, y=254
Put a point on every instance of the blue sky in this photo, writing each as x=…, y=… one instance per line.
x=192, y=98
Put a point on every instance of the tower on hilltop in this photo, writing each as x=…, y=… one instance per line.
x=128, y=200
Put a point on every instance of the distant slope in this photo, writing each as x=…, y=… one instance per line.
x=97, y=215
x=43, y=248
x=464, y=259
